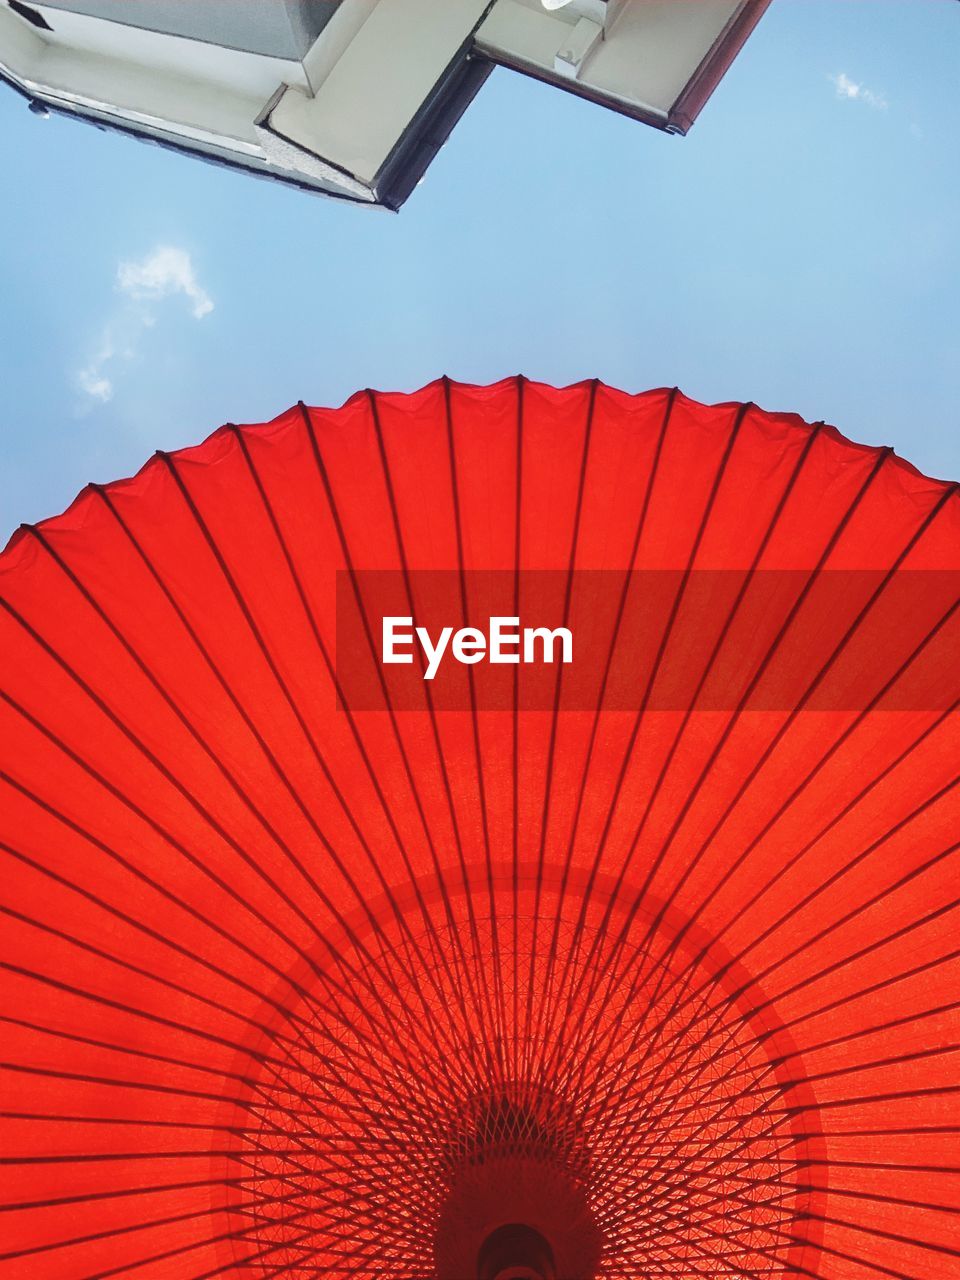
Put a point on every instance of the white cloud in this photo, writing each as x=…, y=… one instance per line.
x=164, y=271
x=91, y=378
x=93, y=382
x=853, y=91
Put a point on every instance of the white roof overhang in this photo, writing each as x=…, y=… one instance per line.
x=362, y=112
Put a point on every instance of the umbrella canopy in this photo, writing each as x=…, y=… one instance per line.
x=638, y=962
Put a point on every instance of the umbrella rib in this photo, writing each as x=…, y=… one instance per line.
x=520, y=385
x=121, y=1193
x=621, y=607
x=478, y=996
x=140, y=970
x=451, y=959
x=716, y=1056
x=165, y=772
x=375, y=863
x=911, y=544
x=129, y=1228
x=883, y=941
x=347, y=1021
x=263, y=1059
x=589, y=967
x=784, y=868
x=951, y=1006
x=772, y=524
x=931, y=1246
x=880, y=1166
x=714, y=755
x=878, y=944
x=631, y=561
x=141, y=875
x=179, y=1091
x=911, y=1131
x=298, y=715
x=925, y=1206
x=155, y=826
x=839, y=964
x=815, y=1047
x=245, y=716
x=219, y=1238
x=501, y=1024
x=535, y=1033
x=154, y=935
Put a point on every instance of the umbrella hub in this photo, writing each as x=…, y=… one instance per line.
x=596, y=1074
x=516, y=1252
x=517, y=1191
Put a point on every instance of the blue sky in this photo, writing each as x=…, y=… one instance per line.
x=799, y=248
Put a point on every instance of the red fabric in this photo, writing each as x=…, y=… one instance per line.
x=217, y=885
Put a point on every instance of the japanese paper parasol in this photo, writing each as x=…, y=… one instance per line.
x=639, y=964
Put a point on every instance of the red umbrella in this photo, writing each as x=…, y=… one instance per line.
x=638, y=962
